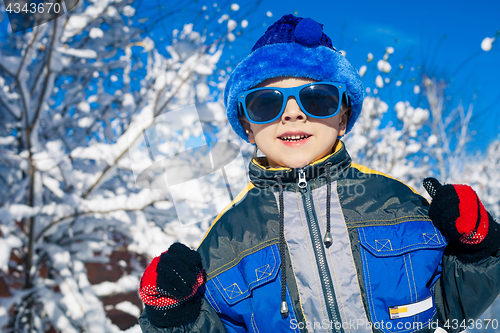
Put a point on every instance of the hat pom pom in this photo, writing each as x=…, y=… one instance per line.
x=308, y=32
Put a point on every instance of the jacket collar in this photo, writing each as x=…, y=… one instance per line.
x=262, y=175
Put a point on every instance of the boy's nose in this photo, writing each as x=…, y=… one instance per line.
x=293, y=111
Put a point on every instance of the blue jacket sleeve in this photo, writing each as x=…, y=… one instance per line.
x=466, y=290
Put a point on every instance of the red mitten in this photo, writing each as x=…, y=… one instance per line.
x=461, y=217
x=169, y=287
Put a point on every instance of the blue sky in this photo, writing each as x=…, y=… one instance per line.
x=442, y=34
x=439, y=34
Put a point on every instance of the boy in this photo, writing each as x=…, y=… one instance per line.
x=316, y=242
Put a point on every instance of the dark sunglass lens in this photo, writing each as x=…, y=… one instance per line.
x=321, y=100
x=264, y=105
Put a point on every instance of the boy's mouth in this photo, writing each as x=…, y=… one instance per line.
x=294, y=137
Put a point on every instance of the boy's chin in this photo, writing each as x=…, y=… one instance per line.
x=296, y=163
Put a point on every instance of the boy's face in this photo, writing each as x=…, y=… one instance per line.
x=320, y=134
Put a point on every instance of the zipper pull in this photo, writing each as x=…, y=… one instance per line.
x=302, y=179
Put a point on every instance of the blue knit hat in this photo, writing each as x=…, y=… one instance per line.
x=295, y=47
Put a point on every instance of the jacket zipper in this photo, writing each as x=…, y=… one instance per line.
x=324, y=272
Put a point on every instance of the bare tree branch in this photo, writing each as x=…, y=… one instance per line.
x=47, y=76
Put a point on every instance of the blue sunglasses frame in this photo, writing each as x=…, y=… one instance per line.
x=293, y=91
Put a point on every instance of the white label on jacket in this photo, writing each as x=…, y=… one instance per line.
x=409, y=310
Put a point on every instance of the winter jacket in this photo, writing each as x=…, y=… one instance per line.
x=385, y=271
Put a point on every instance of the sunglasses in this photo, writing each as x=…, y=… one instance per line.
x=316, y=100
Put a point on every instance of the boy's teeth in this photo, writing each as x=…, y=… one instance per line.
x=293, y=137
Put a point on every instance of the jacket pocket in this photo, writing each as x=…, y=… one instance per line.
x=401, y=263
x=247, y=293
x=252, y=271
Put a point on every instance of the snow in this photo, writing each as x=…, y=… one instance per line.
x=384, y=66
x=53, y=185
x=487, y=43
x=6, y=245
x=413, y=148
x=84, y=106
x=160, y=81
x=202, y=90
x=74, y=24
x=432, y=140
x=78, y=53
x=223, y=18
x=122, y=202
x=86, y=185
x=134, y=329
x=211, y=111
x=8, y=140
x=96, y=33
x=78, y=21
x=128, y=100
x=204, y=69
x=16, y=212
x=128, y=11
x=111, y=12
x=362, y=70
x=358, y=145
x=231, y=25
x=420, y=115
x=57, y=316
x=71, y=206
x=85, y=122
x=124, y=284
x=129, y=308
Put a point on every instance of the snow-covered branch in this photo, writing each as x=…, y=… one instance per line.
x=75, y=95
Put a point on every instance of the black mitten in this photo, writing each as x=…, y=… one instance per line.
x=461, y=217
x=169, y=287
